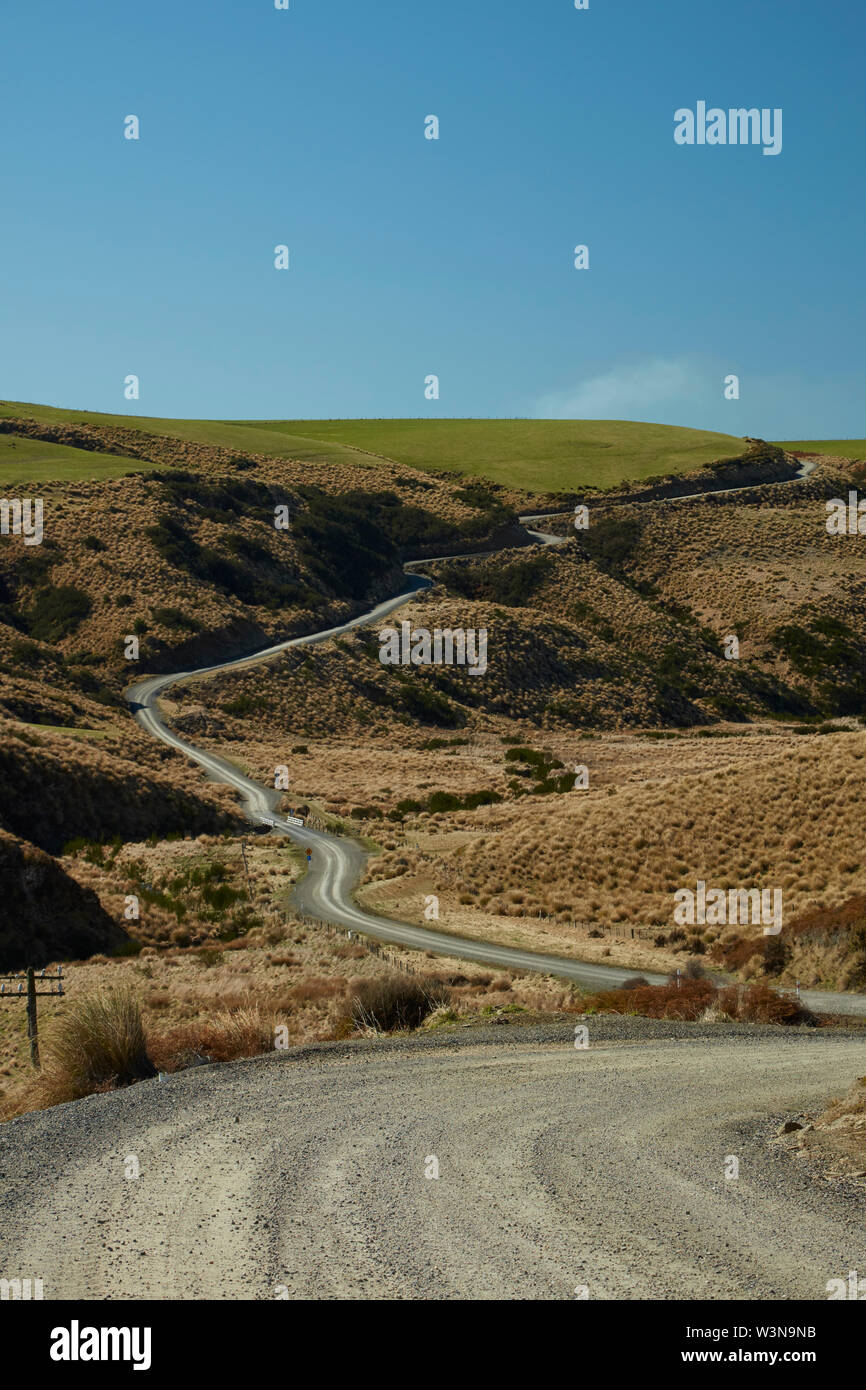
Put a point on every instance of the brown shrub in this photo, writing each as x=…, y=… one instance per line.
x=734, y=954
x=689, y=1001
x=390, y=1002
x=760, y=1004
x=225, y=1037
x=656, y=1001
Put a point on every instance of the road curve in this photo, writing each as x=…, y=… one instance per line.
x=326, y=890
x=309, y=1175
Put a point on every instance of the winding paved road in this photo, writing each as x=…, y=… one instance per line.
x=326, y=890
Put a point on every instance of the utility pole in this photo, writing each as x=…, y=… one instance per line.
x=26, y=981
x=247, y=870
x=32, y=1026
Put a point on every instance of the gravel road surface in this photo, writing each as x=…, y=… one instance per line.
x=302, y=1174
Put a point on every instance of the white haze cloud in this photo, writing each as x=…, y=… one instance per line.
x=643, y=390
x=691, y=391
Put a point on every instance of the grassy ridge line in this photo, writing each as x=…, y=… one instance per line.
x=245, y=438
x=836, y=448
x=535, y=455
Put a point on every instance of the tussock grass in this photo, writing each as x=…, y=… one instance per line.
x=96, y=1044
x=391, y=1003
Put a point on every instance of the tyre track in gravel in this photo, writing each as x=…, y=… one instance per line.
x=302, y=1174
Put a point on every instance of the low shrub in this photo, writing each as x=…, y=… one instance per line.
x=57, y=611
x=227, y=1036
x=387, y=1003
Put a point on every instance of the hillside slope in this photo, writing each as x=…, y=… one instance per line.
x=532, y=455
x=45, y=915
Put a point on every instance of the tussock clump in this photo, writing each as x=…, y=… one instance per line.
x=96, y=1044
x=391, y=1003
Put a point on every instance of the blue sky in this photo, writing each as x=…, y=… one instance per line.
x=455, y=257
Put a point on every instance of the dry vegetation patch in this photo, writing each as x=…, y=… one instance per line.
x=833, y=1144
x=701, y=999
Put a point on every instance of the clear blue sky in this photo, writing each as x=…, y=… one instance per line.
x=409, y=256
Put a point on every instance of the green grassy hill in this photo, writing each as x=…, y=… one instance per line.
x=545, y=455
x=548, y=455
x=39, y=461
x=838, y=448
x=246, y=438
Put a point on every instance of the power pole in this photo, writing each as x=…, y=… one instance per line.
x=26, y=981
x=32, y=1026
x=247, y=871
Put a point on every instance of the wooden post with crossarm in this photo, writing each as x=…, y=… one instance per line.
x=27, y=981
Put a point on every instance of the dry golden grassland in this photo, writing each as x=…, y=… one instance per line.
x=203, y=996
x=787, y=817
x=756, y=807
x=753, y=569
x=604, y=654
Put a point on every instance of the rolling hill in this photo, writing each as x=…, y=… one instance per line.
x=836, y=448
x=534, y=455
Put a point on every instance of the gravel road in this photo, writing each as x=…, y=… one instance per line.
x=302, y=1174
